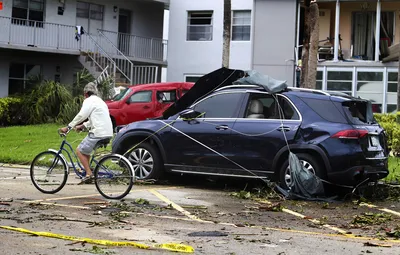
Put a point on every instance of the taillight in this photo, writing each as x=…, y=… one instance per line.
x=351, y=134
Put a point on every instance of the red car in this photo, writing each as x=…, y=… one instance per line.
x=145, y=101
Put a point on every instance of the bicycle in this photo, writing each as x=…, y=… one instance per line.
x=54, y=164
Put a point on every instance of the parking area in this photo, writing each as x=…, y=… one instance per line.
x=209, y=220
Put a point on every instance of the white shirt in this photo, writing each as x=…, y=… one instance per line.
x=97, y=111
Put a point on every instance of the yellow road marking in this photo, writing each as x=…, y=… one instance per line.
x=95, y=195
x=381, y=209
x=165, y=246
x=305, y=217
x=175, y=206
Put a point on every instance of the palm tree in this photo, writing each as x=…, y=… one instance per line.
x=227, y=33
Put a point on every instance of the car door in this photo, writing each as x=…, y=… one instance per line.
x=139, y=106
x=259, y=135
x=197, y=145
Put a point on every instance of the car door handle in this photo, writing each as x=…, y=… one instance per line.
x=146, y=107
x=222, y=127
x=286, y=129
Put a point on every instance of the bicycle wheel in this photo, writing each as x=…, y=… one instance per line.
x=49, y=172
x=114, y=176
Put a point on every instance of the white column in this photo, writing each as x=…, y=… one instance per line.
x=377, y=29
x=337, y=24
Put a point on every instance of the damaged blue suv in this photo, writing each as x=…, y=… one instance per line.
x=246, y=131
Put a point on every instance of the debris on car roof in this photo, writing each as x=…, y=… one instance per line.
x=268, y=83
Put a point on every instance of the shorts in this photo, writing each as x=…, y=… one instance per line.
x=88, y=143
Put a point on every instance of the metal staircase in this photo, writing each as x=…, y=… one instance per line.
x=104, y=60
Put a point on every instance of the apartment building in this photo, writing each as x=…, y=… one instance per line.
x=258, y=40
x=267, y=36
x=121, y=39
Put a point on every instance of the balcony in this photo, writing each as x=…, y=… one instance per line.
x=58, y=38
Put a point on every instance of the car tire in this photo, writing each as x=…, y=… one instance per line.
x=144, y=155
x=308, y=161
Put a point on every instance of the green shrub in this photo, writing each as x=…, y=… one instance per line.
x=10, y=111
x=392, y=128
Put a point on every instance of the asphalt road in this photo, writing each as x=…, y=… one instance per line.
x=211, y=221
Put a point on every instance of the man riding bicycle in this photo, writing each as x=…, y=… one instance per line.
x=99, y=125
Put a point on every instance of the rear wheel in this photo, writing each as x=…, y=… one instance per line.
x=113, y=176
x=146, y=161
x=309, y=162
x=49, y=172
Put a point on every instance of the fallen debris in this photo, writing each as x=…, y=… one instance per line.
x=371, y=219
x=377, y=245
x=208, y=233
x=274, y=207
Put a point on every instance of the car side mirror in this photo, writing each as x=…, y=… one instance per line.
x=190, y=114
x=128, y=101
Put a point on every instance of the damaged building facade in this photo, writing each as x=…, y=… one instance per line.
x=121, y=39
x=267, y=36
x=354, y=41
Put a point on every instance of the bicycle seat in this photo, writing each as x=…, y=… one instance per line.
x=103, y=143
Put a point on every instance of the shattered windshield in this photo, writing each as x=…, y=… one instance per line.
x=122, y=94
x=359, y=112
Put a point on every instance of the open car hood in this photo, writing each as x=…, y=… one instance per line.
x=205, y=85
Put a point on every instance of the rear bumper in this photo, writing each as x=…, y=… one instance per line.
x=358, y=174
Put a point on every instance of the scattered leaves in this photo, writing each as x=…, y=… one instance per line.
x=141, y=201
x=371, y=219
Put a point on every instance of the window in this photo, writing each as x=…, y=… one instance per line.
x=340, y=81
x=364, y=34
x=392, y=93
x=241, y=25
x=192, y=78
x=319, y=80
x=28, y=12
x=265, y=106
x=141, y=97
x=370, y=86
x=19, y=76
x=199, y=26
x=224, y=105
x=166, y=96
x=89, y=11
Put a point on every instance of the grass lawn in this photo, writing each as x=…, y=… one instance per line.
x=20, y=144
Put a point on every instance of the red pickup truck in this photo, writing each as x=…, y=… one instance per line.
x=145, y=101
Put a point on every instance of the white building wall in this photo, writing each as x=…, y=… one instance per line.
x=201, y=57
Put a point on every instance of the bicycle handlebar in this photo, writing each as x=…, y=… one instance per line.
x=63, y=134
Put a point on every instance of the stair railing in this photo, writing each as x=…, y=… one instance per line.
x=124, y=65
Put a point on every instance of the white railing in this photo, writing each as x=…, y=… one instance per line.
x=144, y=74
x=62, y=37
x=37, y=34
x=124, y=65
x=136, y=46
x=100, y=58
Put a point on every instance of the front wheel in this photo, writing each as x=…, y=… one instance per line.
x=49, y=172
x=146, y=161
x=114, y=176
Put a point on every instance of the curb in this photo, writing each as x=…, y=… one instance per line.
x=14, y=166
